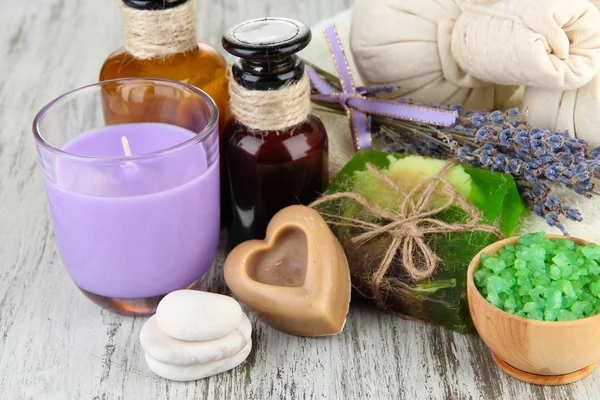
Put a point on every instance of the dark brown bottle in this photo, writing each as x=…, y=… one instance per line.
x=270, y=169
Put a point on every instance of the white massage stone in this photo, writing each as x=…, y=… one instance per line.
x=197, y=371
x=165, y=349
x=198, y=316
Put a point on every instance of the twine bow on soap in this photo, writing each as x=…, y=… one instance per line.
x=408, y=225
x=357, y=105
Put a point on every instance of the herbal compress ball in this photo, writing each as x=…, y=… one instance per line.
x=543, y=279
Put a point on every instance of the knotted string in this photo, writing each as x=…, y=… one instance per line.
x=159, y=33
x=357, y=105
x=271, y=110
x=408, y=225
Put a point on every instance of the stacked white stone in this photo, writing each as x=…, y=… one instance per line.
x=195, y=335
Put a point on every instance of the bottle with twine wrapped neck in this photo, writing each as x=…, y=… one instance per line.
x=160, y=42
x=274, y=147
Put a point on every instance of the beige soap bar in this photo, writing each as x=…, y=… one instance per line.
x=297, y=279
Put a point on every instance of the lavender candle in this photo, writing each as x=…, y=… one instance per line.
x=135, y=207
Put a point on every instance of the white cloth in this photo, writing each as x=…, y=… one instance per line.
x=408, y=43
x=576, y=110
x=433, y=45
x=341, y=145
x=477, y=52
x=448, y=51
x=541, y=43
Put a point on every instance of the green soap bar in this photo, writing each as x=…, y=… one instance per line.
x=555, y=279
x=442, y=299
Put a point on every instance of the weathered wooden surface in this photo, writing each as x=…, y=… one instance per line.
x=55, y=344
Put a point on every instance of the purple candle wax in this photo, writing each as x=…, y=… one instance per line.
x=139, y=228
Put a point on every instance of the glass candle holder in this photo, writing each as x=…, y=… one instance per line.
x=134, y=206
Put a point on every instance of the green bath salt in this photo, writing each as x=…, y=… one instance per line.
x=543, y=279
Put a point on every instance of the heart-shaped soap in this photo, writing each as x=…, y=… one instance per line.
x=297, y=279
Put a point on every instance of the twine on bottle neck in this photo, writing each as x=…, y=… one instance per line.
x=271, y=110
x=159, y=33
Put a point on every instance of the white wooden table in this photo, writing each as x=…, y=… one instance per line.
x=56, y=344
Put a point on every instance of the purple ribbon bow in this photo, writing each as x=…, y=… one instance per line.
x=358, y=106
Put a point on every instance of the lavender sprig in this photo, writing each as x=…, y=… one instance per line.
x=500, y=142
x=503, y=142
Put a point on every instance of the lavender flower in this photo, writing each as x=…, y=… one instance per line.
x=552, y=220
x=556, y=141
x=553, y=203
x=553, y=171
x=458, y=108
x=497, y=117
x=595, y=169
x=513, y=112
x=515, y=166
x=485, y=134
x=523, y=138
x=478, y=120
x=507, y=137
x=572, y=213
x=501, y=142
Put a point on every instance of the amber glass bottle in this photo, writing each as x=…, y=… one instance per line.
x=201, y=65
x=270, y=169
x=183, y=59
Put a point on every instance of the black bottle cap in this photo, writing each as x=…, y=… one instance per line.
x=153, y=4
x=267, y=49
x=266, y=38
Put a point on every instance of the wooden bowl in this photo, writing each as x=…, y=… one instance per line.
x=532, y=346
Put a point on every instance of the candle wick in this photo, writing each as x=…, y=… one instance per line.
x=126, y=148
